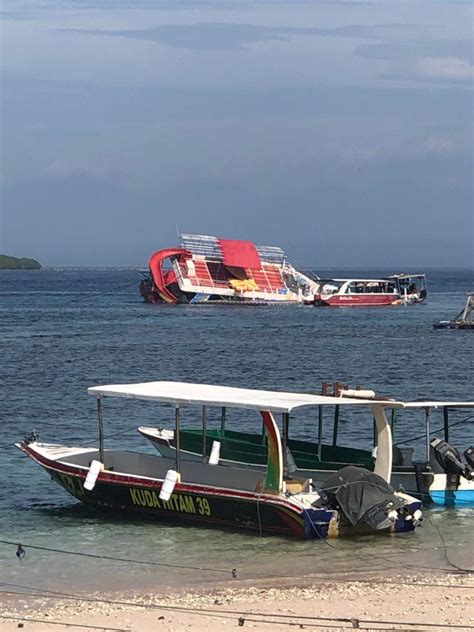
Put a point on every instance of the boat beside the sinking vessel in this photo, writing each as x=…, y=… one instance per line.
x=273, y=501
x=398, y=289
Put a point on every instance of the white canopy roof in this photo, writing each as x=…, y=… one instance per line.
x=209, y=395
x=433, y=404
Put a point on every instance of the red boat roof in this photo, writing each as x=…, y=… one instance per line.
x=240, y=254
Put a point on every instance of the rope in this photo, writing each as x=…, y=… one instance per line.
x=72, y=625
x=281, y=618
x=470, y=418
x=119, y=559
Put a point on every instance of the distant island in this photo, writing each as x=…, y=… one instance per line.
x=18, y=263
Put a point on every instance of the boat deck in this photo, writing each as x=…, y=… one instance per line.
x=156, y=467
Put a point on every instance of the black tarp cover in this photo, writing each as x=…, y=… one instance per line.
x=357, y=490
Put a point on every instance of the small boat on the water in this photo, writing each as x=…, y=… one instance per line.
x=398, y=289
x=207, y=269
x=272, y=500
x=463, y=320
x=429, y=478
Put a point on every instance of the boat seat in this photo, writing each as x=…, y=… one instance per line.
x=297, y=485
x=292, y=485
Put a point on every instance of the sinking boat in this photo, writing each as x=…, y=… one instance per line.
x=436, y=478
x=463, y=320
x=208, y=269
x=398, y=289
x=272, y=501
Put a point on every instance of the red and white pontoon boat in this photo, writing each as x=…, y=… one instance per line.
x=206, y=268
x=398, y=289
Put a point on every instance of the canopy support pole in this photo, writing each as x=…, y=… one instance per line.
x=223, y=419
x=273, y=482
x=204, y=433
x=285, y=420
x=100, y=412
x=446, y=424
x=427, y=421
x=392, y=422
x=176, y=439
x=383, y=462
x=336, y=426
x=320, y=432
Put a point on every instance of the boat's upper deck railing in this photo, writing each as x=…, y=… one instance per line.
x=208, y=246
x=204, y=245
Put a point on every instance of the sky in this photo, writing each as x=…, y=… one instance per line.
x=340, y=131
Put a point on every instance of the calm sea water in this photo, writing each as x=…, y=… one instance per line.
x=65, y=330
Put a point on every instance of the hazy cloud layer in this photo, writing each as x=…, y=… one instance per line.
x=342, y=132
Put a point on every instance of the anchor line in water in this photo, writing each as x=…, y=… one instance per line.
x=234, y=573
x=445, y=549
x=120, y=559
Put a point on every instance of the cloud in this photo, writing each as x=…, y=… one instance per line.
x=207, y=36
x=450, y=68
x=439, y=145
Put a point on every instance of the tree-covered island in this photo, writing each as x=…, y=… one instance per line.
x=18, y=263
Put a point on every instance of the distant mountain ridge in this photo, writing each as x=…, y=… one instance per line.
x=18, y=263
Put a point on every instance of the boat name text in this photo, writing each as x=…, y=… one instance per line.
x=177, y=502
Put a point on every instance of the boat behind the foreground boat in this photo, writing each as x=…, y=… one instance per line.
x=440, y=476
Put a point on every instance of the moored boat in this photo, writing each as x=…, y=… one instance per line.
x=398, y=289
x=270, y=501
x=463, y=320
x=424, y=478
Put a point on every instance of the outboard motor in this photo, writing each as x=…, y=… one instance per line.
x=363, y=496
x=450, y=460
x=469, y=456
x=33, y=437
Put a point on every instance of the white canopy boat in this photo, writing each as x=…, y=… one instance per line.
x=269, y=501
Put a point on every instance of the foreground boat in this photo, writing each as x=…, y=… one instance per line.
x=205, y=268
x=271, y=501
x=434, y=479
x=398, y=289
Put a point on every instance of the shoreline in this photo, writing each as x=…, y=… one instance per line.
x=380, y=602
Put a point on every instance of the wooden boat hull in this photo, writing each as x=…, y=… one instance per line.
x=205, y=505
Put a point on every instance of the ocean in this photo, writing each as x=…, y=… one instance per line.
x=63, y=330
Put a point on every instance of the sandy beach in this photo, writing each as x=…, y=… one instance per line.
x=439, y=602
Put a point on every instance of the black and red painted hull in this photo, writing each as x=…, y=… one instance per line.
x=201, y=504
x=192, y=504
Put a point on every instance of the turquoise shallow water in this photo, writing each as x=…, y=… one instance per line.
x=65, y=330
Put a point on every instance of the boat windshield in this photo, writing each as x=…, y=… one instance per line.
x=371, y=287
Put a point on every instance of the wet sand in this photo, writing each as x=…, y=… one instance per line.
x=394, y=603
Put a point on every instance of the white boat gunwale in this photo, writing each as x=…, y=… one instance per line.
x=37, y=453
